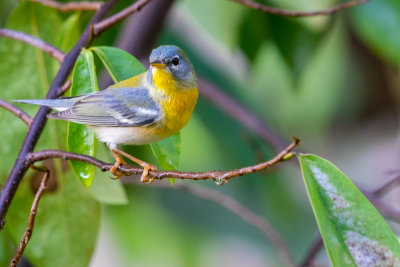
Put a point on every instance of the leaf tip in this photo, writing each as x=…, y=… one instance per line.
x=171, y=181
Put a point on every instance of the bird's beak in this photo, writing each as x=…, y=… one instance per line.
x=158, y=64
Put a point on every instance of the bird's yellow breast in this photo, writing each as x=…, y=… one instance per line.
x=177, y=101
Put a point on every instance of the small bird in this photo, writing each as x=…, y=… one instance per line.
x=140, y=110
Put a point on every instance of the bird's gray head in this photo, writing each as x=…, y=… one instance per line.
x=175, y=61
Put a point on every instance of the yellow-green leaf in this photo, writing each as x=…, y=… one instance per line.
x=168, y=153
x=354, y=232
x=80, y=138
x=120, y=64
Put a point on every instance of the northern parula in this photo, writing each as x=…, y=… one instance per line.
x=140, y=110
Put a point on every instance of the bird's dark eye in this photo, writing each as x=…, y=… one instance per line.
x=175, y=61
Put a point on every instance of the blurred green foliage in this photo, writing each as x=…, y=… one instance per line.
x=331, y=81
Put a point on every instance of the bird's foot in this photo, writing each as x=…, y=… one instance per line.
x=146, y=166
x=115, y=168
x=145, y=175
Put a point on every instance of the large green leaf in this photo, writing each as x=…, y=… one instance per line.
x=354, y=232
x=378, y=23
x=24, y=74
x=66, y=226
x=122, y=65
x=69, y=32
x=81, y=139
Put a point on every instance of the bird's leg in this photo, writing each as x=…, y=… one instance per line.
x=146, y=166
x=118, y=161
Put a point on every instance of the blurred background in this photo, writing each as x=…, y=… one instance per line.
x=332, y=81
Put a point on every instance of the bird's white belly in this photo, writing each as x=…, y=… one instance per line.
x=126, y=135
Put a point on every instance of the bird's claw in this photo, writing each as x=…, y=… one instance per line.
x=145, y=175
x=115, y=169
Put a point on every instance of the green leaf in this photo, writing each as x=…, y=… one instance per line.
x=120, y=64
x=81, y=139
x=69, y=32
x=66, y=226
x=24, y=74
x=377, y=17
x=103, y=189
x=354, y=232
x=68, y=216
x=168, y=152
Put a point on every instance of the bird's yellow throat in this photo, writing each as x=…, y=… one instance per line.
x=178, y=101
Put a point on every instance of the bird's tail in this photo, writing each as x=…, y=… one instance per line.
x=57, y=104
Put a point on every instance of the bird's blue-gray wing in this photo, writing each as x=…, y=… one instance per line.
x=117, y=107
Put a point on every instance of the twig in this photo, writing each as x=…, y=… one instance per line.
x=386, y=188
x=312, y=252
x=22, y=164
x=218, y=176
x=287, y=13
x=64, y=88
x=386, y=210
x=107, y=23
x=70, y=6
x=234, y=109
x=16, y=111
x=139, y=33
x=32, y=215
x=240, y=210
x=29, y=39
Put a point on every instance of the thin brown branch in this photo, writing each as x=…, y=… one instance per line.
x=386, y=210
x=64, y=88
x=240, y=210
x=312, y=252
x=45, y=47
x=220, y=177
x=32, y=215
x=288, y=13
x=70, y=6
x=16, y=111
x=387, y=187
x=107, y=23
x=29, y=39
